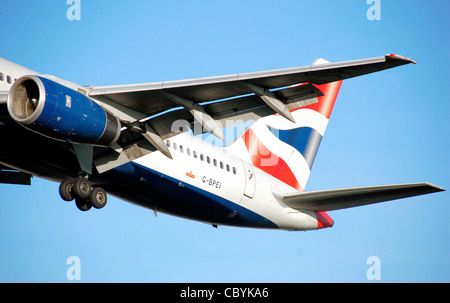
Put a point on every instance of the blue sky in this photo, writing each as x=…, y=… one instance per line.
x=387, y=128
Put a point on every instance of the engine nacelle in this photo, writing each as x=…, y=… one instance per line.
x=61, y=113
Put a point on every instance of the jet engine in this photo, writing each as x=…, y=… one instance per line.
x=56, y=111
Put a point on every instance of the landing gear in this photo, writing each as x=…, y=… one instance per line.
x=81, y=188
x=83, y=204
x=65, y=190
x=85, y=196
x=98, y=197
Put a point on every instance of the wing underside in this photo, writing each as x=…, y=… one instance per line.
x=152, y=98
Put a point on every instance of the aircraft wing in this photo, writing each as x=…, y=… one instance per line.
x=334, y=199
x=168, y=108
x=155, y=98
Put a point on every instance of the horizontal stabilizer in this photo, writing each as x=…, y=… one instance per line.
x=333, y=199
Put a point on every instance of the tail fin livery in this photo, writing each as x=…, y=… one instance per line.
x=287, y=150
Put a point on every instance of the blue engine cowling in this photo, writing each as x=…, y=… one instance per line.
x=61, y=113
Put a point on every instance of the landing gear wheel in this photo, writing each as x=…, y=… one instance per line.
x=65, y=190
x=83, y=204
x=81, y=188
x=85, y=196
x=98, y=197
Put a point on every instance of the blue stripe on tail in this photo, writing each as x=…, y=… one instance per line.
x=304, y=139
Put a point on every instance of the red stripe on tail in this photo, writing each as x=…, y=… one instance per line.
x=326, y=102
x=267, y=161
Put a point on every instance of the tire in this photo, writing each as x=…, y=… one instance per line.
x=83, y=204
x=81, y=188
x=98, y=197
x=65, y=190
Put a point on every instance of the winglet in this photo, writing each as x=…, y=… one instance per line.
x=399, y=57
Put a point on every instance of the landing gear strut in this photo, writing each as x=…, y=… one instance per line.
x=85, y=196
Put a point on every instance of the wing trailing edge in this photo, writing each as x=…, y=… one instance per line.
x=334, y=199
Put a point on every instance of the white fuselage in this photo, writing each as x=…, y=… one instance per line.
x=215, y=170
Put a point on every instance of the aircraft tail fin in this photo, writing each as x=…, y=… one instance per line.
x=286, y=149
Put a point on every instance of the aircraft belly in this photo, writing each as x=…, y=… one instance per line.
x=146, y=187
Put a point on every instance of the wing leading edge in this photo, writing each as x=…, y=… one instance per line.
x=334, y=199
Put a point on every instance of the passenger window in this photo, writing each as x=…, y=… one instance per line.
x=181, y=148
x=1, y=77
x=202, y=157
x=208, y=159
x=228, y=168
x=188, y=151
x=215, y=162
x=8, y=79
x=195, y=154
x=168, y=143
x=221, y=164
x=174, y=146
x=234, y=170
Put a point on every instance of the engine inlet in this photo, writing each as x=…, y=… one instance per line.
x=24, y=99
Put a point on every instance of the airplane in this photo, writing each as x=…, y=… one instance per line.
x=147, y=143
